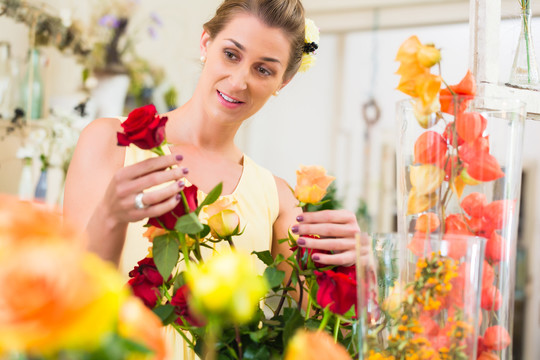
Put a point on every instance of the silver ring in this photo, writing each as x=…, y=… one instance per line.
x=138, y=201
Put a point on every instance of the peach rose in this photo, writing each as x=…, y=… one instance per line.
x=311, y=184
x=308, y=345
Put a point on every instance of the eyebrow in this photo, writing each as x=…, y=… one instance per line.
x=242, y=47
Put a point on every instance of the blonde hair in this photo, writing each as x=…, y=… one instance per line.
x=287, y=15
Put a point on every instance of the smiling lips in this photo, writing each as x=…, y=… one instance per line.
x=228, y=101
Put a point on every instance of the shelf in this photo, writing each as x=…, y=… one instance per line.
x=530, y=96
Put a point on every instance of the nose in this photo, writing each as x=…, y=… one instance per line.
x=239, y=78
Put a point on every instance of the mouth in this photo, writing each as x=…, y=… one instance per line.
x=229, y=99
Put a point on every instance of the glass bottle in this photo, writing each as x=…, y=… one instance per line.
x=6, y=81
x=32, y=87
x=524, y=71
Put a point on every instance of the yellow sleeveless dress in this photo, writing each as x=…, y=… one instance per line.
x=257, y=205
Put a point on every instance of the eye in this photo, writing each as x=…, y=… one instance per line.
x=230, y=55
x=263, y=71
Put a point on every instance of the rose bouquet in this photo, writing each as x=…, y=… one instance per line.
x=59, y=302
x=458, y=170
x=216, y=301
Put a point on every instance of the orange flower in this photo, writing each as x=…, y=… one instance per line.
x=456, y=224
x=309, y=345
x=429, y=148
x=491, y=298
x=496, y=338
x=311, y=184
x=140, y=324
x=54, y=297
x=469, y=152
x=488, y=356
x=427, y=222
x=153, y=232
x=470, y=125
x=418, y=203
x=419, y=244
x=497, y=211
x=474, y=203
x=465, y=90
x=426, y=178
x=495, y=248
x=488, y=275
x=449, y=135
x=485, y=168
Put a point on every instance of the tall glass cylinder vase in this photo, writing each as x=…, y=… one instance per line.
x=32, y=87
x=428, y=293
x=461, y=174
x=524, y=72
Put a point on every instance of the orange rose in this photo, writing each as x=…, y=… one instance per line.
x=308, y=345
x=311, y=184
x=54, y=297
x=140, y=324
x=153, y=232
x=496, y=338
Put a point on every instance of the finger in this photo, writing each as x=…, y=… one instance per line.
x=157, y=196
x=153, y=179
x=327, y=244
x=160, y=208
x=326, y=229
x=347, y=258
x=149, y=165
x=327, y=216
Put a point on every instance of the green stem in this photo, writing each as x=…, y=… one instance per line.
x=184, y=200
x=326, y=317
x=185, y=252
x=308, y=309
x=181, y=332
x=525, y=17
x=336, y=329
x=230, y=241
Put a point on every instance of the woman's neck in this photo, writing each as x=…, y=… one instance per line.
x=190, y=124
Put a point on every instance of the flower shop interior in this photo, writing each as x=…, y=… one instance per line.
x=341, y=114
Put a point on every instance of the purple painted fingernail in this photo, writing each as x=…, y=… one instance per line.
x=181, y=183
x=178, y=197
x=300, y=218
x=185, y=171
x=179, y=157
x=301, y=241
x=294, y=229
x=315, y=258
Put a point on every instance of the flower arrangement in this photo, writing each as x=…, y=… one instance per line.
x=217, y=304
x=455, y=184
x=61, y=302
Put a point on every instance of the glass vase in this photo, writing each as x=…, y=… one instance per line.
x=524, y=72
x=26, y=180
x=41, y=186
x=6, y=81
x=32, y=87
x=461, y=174
x=428, y=296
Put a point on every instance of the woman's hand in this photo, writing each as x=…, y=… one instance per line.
x=337, y=230
x=119, y=201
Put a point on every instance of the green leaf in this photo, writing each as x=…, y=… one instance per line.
x=166, y=254
x=178, y=282
x=293, y=321
x=256, y=352
x=212, y=196
x=165, y=313
x=189, y=224
x=256, y=336
x=264, y=256
x=274, y=276
x=205, y=232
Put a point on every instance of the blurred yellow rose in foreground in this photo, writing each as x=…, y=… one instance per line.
x=226, y=286
x=311, y=184
x=314, y=345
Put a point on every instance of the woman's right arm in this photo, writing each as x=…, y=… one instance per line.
x=100, y=192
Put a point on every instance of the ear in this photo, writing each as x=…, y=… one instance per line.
x=205, y=39
x=285, y=83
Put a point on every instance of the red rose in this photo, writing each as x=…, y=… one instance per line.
x=169, y=219
x=180, y=302
x=145, y=280
x=337, y=289
x=143, y=128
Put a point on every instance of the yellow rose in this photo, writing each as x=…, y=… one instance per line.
x=226, y=285
x=311, y=184
x=224, y=224
x=309, y=345
x=392, y=303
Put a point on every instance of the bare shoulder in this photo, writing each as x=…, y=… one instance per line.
x=285, y=192
x=99, y=139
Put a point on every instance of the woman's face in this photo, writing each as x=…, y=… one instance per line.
x=245, y=64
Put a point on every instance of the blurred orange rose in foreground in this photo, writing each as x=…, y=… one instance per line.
x=311, y=184
x=54, y=295
x=312, y=345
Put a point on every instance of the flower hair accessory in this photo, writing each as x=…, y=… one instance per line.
x=311, y=43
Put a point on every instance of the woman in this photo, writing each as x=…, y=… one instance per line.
x=241, y=70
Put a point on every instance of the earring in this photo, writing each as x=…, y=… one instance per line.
x=276, y=93
x=203, y=59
